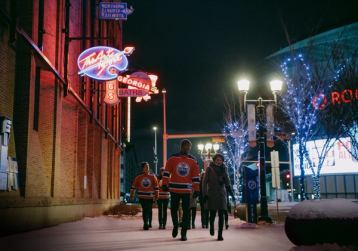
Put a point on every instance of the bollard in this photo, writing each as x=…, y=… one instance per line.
x=323, y=221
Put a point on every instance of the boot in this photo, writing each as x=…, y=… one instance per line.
x=183, y=234
x=175, y=232
x=211, y=222
x=212, y=231
x=221, y=226
x=220, y=233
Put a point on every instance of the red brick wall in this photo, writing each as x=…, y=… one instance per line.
x=7, y=74
x=68, y=145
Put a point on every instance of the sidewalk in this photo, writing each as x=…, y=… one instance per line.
x=109, y=233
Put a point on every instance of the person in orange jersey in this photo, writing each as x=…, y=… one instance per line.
x=162, y=202
x=181, y=177
x=146, y=185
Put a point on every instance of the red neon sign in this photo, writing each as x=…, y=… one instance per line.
x=343, y=97
x=111, y=97
x=123, y=92
x=141, y=80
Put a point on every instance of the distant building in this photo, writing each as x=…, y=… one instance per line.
x=340, y=174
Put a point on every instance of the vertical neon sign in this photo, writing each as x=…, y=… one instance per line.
x=111, y=97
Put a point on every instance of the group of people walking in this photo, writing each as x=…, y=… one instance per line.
x=181, y=182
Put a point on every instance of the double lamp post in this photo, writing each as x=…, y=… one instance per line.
x=207, y=150
x=276, y=86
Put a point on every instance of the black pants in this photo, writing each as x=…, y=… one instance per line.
x=147, y=205
x=226, y=215
x=192, y=216
x=162, y=211
x=204, y=214
x=221, y=220
x=185, y=202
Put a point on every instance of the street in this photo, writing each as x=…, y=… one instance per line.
x=112, y=233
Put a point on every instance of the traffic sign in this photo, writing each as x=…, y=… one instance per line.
x=114, y=10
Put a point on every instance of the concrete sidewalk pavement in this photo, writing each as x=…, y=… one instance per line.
x=125, y=233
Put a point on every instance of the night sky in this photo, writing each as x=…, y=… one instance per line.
x=200, y=48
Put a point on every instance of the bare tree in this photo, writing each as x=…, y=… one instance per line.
x=304, y=104
x=236, y=144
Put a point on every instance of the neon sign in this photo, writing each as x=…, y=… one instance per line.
x=111, y=97
x=141, y=80
x=98, y=62
x=123, y=92
x=343, y=97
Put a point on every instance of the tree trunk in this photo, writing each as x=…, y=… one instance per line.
x=316, y=187
x=302, y=176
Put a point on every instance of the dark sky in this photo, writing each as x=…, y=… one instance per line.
x=200, y=48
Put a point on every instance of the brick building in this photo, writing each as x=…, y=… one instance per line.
x=64, y=137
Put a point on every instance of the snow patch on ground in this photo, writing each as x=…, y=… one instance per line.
x=332, y=208
x=325, y=247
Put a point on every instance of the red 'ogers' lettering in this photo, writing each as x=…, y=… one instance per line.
x=344, y=98
x=335, y=98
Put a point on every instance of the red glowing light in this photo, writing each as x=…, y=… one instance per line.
x=335, y=98
x=128, y=50
x=111, y=97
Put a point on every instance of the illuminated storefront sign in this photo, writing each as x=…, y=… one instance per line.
x=98, y=62
x=111, y=97
x=335, y=98
x=123, y=92
x=338, y=159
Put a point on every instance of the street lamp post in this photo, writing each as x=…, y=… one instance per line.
x=164, y=92
x=155, y=150
x=206, y=150
x=276, y=86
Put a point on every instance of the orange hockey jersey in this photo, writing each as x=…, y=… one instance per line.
x=181, y=174
x=146, y=186
x=163, y=195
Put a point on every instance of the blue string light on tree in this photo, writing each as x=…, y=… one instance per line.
x=304, y=100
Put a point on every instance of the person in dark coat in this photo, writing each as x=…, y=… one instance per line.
x=216, y=182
